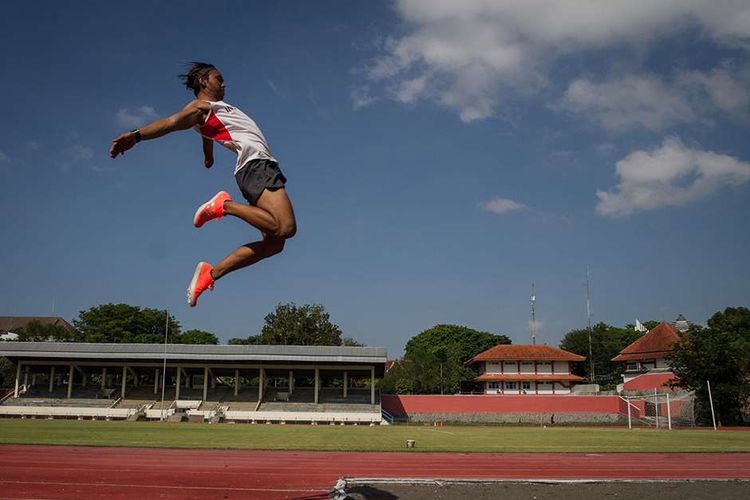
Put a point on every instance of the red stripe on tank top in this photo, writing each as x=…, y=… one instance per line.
x=215, y=129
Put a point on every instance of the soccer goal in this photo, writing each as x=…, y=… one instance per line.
x=661, y=409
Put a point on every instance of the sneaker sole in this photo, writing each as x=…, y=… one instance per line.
x=192, y=299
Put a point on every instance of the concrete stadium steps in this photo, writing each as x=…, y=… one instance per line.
x=319, y=408
x=67, y=412
x=291, y=417
x=58, y=402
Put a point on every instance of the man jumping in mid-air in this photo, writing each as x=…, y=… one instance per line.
x=257, y=173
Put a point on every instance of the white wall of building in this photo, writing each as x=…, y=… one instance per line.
x=561, y=367
x=543, y=367
x=493, y=367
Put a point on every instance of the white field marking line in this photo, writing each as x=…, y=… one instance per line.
x=444, y=432
x=440, y=482
x=126, y=485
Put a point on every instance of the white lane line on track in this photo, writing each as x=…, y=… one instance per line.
x=155, y=486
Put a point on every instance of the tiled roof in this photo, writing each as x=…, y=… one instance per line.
x=537, y=377
x=15, y=323
x=655, y=344
x=509, y=352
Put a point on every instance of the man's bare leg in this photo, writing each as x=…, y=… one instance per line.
x=273, y=216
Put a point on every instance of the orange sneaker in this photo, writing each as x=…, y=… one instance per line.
x=212, y=209
x=201, y=282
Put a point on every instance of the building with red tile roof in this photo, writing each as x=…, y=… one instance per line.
x=526, y=369
x=647, y=357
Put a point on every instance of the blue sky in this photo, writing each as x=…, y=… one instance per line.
x=441, y=157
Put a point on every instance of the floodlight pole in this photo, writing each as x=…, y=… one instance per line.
x=164, y=368
x=588, y=313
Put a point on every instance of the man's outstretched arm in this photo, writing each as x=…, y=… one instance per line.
x=191, y=115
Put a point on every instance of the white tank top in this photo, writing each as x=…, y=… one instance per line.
x=236, y=131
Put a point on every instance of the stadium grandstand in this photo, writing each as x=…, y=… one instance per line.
x=199, y=383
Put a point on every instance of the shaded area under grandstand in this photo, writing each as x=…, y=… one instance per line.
x=87, y=472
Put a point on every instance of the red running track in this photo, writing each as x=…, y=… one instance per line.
x=69, y=472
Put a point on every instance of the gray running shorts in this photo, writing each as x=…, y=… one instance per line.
x=258, y=175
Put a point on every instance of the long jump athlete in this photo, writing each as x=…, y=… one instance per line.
x=257, y=173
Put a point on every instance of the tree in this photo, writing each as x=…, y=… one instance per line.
x=36, y=331
x=290, y=324
x=719, y=354
x=123, y=323
x=251, y=340
x=442, y=346
x=606, y=342
x=198, y=337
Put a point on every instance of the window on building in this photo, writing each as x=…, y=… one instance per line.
x=526, y=386
x=631, y=366
x=493, y=385
x=510, y=386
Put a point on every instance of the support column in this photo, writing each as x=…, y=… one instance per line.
x=177, y=384
x=70, y=381
x=51, y=378
x=213, y=378
x=18, y=377
x=317, y=384
x=346, y=383
x=26, y=378
x=205, y=383
x=124, y=380
x=236, y=382
x=156, y=381
x=260, y=383
x=372, y=385
x=104, y=378
x=291, y=382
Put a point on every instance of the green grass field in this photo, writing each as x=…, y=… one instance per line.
x=364, y=438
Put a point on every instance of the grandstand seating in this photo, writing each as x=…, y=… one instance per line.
x=278, y=405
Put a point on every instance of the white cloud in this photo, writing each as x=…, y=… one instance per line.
x=276, y=90
x=80, y=152
x=138, y=117
x=635, y=101
x=465, y=55
x=670, y=175
x=502, y=206
x=361, y=98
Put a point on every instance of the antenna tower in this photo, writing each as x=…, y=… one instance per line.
x=533, y=316
x=588, y=313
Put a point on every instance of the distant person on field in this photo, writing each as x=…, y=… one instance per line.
x=257, y=173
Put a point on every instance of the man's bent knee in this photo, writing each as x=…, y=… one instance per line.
x=285, y=230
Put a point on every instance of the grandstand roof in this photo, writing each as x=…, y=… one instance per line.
x=194, y=352
x=15, y=323
x=509, y=352
x=655, y=344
